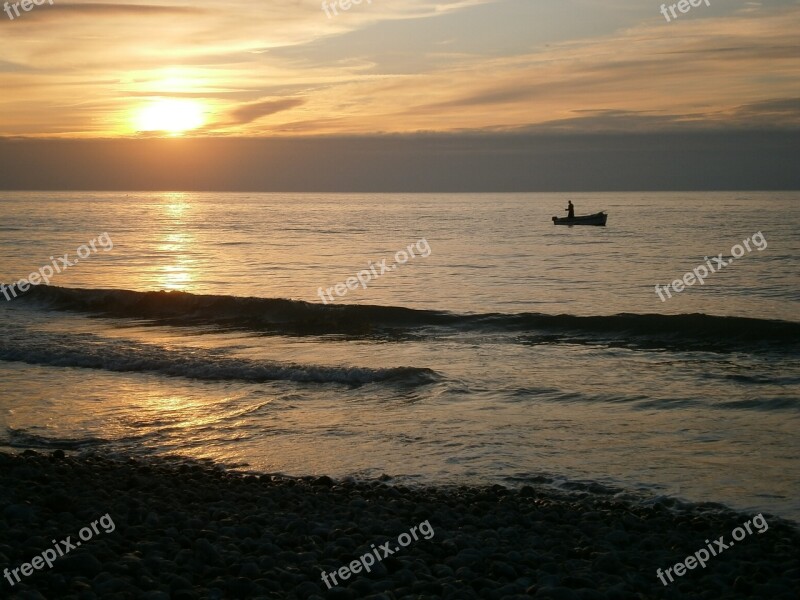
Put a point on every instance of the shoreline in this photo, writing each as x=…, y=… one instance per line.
x=186, y=529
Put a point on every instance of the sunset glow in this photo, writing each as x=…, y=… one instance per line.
x=506, y=287
x=170, y=116
x=286, y=68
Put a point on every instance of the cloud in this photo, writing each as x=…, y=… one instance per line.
x=783, y=112
x=409, y=163
x=58, y=10
x=385, y=67
x=248, y=113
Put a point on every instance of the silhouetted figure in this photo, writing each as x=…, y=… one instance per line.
x=570, y=210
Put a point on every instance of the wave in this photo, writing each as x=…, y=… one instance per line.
x=19, y=438
x=295, y=317
x=92, y=352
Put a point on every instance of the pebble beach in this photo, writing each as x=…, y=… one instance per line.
x=188, y=529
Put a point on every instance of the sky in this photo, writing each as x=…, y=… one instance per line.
x=565, y=90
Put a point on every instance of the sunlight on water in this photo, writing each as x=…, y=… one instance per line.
x=702, y=408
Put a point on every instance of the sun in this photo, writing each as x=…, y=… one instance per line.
x=170, y=116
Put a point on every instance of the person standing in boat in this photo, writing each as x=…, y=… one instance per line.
x=570, y=210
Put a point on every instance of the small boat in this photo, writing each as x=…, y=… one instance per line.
x=595, y=219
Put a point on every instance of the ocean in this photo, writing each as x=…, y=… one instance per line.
x=490, y=347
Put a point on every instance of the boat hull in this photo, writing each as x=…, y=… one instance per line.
x=598, y=219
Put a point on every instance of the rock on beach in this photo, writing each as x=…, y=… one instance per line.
x=191, y=529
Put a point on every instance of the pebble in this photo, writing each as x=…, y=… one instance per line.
x=190, y=529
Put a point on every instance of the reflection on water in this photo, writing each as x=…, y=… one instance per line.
x=713, y=424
